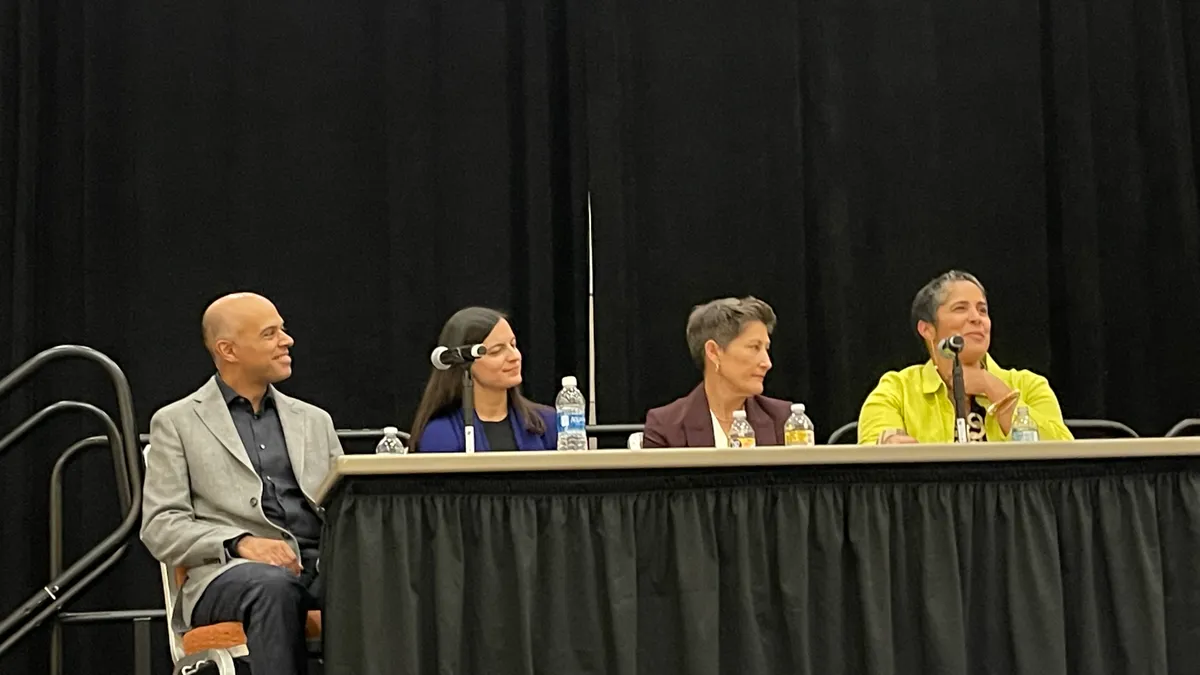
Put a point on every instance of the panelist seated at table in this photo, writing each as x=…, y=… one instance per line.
x=730, y=341
x=231, y=474
x=916, y=405
x=504, y=419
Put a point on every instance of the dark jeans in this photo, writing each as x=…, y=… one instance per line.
x=272, y=604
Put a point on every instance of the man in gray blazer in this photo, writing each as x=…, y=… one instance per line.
x=230, y=476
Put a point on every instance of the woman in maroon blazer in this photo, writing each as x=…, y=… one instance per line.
x=730, y=340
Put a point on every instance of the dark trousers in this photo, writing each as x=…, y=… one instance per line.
x=272, y=604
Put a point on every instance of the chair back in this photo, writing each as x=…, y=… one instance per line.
x=847, y=433
x=1099, y=429
x=611, y=436
x=172, y=580
x=1187, y=427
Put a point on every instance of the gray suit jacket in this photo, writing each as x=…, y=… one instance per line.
x=201, y=489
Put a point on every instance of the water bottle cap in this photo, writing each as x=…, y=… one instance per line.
x=798, y=408
x=739, y=414
x=391, y=431
x=570, y=381
x=1022, y=410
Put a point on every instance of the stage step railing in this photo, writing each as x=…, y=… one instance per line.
x=123, y=440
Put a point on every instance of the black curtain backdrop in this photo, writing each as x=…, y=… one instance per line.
x=832, y=157
x=374, y=166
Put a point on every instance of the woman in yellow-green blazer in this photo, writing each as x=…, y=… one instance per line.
x=914, y=405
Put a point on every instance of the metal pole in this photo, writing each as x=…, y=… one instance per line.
x=56, y=666
x=141, y=647
x=56, y=531
x=591, y=320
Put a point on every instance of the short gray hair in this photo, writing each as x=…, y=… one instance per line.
x=933, y=294
x=723, y=320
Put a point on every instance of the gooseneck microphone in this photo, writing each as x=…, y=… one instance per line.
x=445, y=358
x=950, y=348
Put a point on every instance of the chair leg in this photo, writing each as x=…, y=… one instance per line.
x=193, y=663
x=141, y=647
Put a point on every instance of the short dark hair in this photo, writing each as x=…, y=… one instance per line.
x=723, y=320
x=933, y=294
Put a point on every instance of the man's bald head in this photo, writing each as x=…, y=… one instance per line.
x=244, y=332
x=225, y=317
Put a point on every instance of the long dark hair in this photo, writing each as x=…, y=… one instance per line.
x=444, y=390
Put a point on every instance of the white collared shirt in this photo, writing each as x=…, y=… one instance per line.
x=720, y=440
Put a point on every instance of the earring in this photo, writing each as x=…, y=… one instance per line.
x=718, y=366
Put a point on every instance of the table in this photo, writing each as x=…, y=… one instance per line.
x=1047, y=558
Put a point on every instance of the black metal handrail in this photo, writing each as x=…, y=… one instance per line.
x=56, y=536
x=102, y=557
x=113, y=437
x=113, y=616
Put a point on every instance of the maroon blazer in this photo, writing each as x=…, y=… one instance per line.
x=687, y=422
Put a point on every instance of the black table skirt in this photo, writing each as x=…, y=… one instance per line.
x=1038, y=568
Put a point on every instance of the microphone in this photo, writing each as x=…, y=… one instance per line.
x=951, y=346
x=444, y=358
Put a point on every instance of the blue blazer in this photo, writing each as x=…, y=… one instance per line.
x=445, y=433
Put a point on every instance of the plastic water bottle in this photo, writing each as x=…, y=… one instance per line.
x=391, y=444
x=799, y=430
x=1024, y=429
x=741, y=434
x=571, y=411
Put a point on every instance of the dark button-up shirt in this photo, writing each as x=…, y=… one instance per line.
x=282, y=501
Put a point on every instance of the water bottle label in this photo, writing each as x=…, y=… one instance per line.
x=1024, y=435
x=741, y=442
x=571, y=421
x=799, y=437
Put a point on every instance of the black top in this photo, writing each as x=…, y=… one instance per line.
x=499, y=435
x=282, y=501
x=976, y=414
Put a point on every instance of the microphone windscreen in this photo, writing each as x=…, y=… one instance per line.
x=436, y=358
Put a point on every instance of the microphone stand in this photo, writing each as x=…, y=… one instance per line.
x=468, y=400
x=960, y=402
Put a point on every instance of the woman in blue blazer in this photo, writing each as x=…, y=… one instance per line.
x=504, y=419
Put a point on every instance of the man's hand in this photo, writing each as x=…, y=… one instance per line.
x=269, y=551
x=898, y=439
